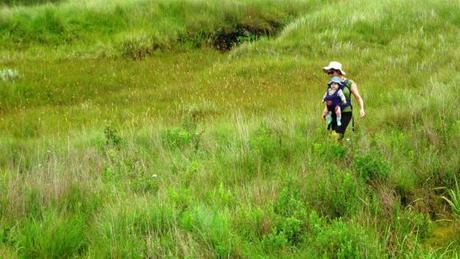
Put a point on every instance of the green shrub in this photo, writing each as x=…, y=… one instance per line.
x=186, y=135
x=293, y=229
x=112, y=137
x=289, y=203
x=290, y=220
x=345, y=194
x=330, y=151
x=137, y=47
x=212, y=228
x=275, y=241
x=337, y=194
x=144, y=183
x=176, y=137
x=345, y=240
x=371, y=167
x=265, y=143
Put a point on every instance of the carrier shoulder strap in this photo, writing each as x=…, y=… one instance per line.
x=346, y=83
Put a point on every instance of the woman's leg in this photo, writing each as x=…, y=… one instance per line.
x=346, y=118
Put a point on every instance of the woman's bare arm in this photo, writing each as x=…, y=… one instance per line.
x=355, y=92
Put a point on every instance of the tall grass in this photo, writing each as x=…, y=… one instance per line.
x=142, y=26
x=191, y=152
x=26, y=2
x=454, y=198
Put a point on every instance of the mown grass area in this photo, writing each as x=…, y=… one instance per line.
x=193, y=152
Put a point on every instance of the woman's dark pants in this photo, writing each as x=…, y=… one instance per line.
x=346, y=118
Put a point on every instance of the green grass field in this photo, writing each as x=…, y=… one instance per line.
x=193, y=129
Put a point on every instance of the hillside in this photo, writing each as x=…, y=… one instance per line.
x=193, y=129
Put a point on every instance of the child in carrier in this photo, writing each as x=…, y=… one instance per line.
x=334, y=98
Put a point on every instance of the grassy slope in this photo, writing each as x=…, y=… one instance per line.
x=192, y=152
x=109, y=28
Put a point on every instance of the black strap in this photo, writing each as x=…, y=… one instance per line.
x=345, y=84
x=352, y=122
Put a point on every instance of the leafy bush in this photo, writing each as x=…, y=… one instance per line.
x=265, y=143
x=137, y=47
x=330, y=150
x=289, y=203
x=275, y=241
x=371, y=167
x=186, y=135
x=337, y=194
x=344, y=194
x=112, y=137
x=290, y=222
x=345, y=240
x=176, y=137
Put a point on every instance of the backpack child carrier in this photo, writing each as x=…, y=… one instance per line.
x=344, y=84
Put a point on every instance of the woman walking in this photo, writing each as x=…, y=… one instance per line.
x=349, y=87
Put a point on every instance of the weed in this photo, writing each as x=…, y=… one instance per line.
x=213, y=228
x=137, y=47
x=176, y=137
x=290, y=224
x=265, y=143
x=345, y=240
x=454, y=199
x=371, y=167
x=330, y=151
x=54, y=236
x=289, y=204
x=338, y=194
x=112, y=137
x=179, y=137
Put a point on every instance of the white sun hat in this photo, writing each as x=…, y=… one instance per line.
x=334, y=65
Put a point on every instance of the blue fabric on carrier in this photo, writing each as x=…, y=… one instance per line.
x=332, y=100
